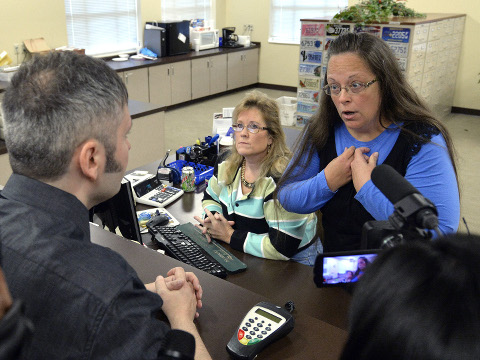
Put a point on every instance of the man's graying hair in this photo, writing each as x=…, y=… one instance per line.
x=53, y=104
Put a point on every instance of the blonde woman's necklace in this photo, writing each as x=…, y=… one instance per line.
x=245, y=182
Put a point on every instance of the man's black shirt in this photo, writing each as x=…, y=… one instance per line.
x=85, y=301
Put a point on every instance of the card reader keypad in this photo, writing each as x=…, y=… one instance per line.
x=254, y=330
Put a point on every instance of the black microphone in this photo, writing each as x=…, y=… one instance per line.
x=411, y=207
x=178, y=345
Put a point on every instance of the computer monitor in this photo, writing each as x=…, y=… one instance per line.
x=119, y=212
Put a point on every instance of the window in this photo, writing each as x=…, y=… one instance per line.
x=188, y=10
x=285, y=16
x=105, y=27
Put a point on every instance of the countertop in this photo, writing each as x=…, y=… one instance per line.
x=137, y=108
x=132, y=64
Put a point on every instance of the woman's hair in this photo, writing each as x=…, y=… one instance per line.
x=279, y=155
x=418, y=300
x=366, y=261
x=399, y=101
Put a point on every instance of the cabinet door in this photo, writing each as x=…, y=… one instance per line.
x=149, y=130
x=218, y=74
x=181, y=81
x=159, y=83
x=250, y=67
x=235, y=70
x=200, y=77
x=137, y=84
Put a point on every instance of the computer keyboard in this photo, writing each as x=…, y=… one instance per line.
x=181, y=247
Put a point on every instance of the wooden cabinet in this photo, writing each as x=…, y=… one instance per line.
x=427, y=50
x=5, y=169
x=137, y=84
x=159, y=85
x=179, y=79
x=2, y=137
x=242, y=68
x=147, y=138
x=170, y=84
x=181, y=82
x=209, y=76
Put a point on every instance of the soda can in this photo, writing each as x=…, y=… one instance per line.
x=188, y=179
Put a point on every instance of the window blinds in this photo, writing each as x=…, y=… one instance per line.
x=285, y=16
x=188, y=10
x=102, y=27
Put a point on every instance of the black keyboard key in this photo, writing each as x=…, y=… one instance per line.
x=181, y=247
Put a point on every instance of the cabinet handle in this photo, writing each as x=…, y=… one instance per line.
x=208, y=64
x=173, y=71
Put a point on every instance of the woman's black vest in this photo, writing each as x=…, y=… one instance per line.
x=343, y=216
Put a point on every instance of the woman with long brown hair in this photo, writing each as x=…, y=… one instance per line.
x=368, y=115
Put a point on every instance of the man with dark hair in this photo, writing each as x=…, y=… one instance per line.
x=66, y=126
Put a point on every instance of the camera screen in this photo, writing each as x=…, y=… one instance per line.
x=339, y=269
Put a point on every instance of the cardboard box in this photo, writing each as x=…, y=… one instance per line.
x=37, y=46
x=40, y=46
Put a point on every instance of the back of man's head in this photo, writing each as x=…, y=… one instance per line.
x=53, y=104
x=419, y=301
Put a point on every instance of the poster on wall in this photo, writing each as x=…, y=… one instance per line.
x=308, y=95
x=313, y=29
x=311, y=57
x=311, y=43
x=303, y=119
x=402, y=62
x=309, y=83
x=310, y=69
x=328, y=41
x=399, y=49
x=393, y=34
x=370, y=29
x=337, y=29
x=308, y=108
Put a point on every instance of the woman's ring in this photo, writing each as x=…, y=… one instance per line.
x=208, y=233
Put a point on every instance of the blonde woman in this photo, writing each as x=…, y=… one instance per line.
x=238, y=203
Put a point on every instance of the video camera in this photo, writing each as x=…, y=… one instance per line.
x=413, y=219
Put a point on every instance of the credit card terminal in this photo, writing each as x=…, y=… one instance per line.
x=263, y=324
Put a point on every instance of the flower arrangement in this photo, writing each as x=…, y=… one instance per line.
x=375, y=11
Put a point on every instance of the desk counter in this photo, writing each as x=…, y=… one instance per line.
x=280, y=281
x=225, y=303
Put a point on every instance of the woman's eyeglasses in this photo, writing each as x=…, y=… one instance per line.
x=253, y=128
x=355, y=87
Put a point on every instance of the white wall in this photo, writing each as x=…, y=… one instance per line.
x=279, y=63
x=26, y=19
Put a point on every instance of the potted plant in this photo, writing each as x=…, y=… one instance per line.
x=375, y=11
